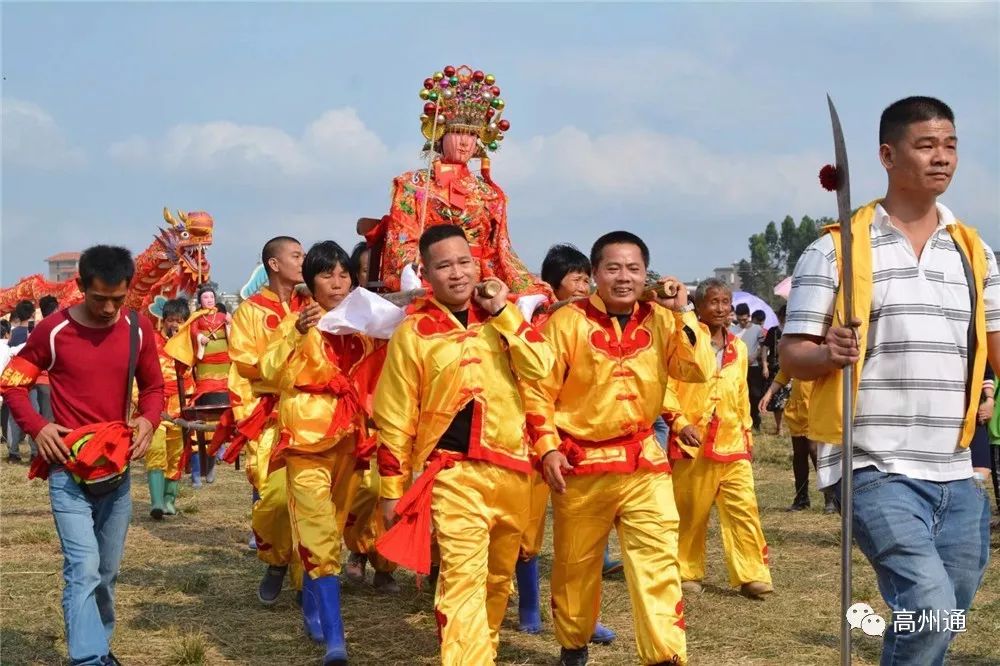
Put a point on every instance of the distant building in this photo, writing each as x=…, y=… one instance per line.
x=231, y=301
x=730, y=275
x=63, y=266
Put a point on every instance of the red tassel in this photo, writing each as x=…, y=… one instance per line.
x=408, y=542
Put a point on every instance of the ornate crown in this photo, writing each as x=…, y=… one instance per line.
x=465, y=101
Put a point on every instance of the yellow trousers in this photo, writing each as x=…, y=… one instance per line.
x=321, y=487
x=165, y=451
x=701, y=482
x=364, y=522
x=271, y=526
x=641, y=507
x=478, y=511
x=534, y=530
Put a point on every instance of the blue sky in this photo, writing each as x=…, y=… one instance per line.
x=690, y=124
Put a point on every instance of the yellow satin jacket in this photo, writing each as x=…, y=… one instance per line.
x=608, y=384
x=434, y=367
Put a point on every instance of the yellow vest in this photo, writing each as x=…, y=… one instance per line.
x=826, y=400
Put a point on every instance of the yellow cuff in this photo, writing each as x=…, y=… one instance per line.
x=508, y=321
x=392, y=487
x=545, y=444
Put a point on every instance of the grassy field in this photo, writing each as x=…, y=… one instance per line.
x=186, y=592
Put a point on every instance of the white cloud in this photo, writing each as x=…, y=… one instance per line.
x=695, y=203
x=646, y=168
x=31, y=138
x=336, y=144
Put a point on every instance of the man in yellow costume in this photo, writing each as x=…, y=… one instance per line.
x=592, y=420
x=567, y=271
x=447, y=406
x=163, y=460
x=255, y=412
x=322, y=420
x=710, y=447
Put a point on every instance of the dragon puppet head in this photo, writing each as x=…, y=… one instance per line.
x=184, y=243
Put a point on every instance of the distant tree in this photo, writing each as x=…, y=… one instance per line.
x=774, y=253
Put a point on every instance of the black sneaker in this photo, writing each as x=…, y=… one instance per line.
x=576, y=657
x=112, y=660
x=13, y=458
x=270, y=585
x=798, y=506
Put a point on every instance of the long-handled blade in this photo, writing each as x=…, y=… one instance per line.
x=847, y=444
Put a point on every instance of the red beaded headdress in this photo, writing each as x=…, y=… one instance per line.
x=465, y=101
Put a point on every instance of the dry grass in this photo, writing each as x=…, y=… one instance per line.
x=186, y=594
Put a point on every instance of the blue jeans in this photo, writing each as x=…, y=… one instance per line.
x=92, y=535
x=929, y=544
x=15, y=434
x=662, y=431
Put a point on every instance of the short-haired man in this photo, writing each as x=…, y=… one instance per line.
x=567, y=270
x=591, y=420
x=87, y=350
x=447, y=406
x=927, y=310
x=254, y=404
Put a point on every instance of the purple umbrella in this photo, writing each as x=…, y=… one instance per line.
x=756, y=303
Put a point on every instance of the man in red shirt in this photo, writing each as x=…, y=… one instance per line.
x=86, y=351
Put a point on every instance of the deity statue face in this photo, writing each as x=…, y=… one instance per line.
x=458, y=148
x=207, y=300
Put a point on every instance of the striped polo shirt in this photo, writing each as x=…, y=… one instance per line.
x=911, y=400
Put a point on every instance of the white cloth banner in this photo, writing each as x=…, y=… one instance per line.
x=363, y=312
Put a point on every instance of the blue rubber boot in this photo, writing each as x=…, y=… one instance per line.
x=310, y=609
x=195, y=471
x=602, y=635
x=327, y=590
x=610, y=566
x=530, y=618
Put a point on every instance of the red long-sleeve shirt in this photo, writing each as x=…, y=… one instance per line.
x=88, y=372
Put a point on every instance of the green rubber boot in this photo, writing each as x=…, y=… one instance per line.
x=155, y=479
x=169, y=497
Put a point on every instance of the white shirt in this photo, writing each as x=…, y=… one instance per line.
x=911, y=401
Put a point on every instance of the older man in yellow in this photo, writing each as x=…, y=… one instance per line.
x=321, y=416
x=591, y=420
x=710, y=445
x=254, y=321
x=447, y=405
